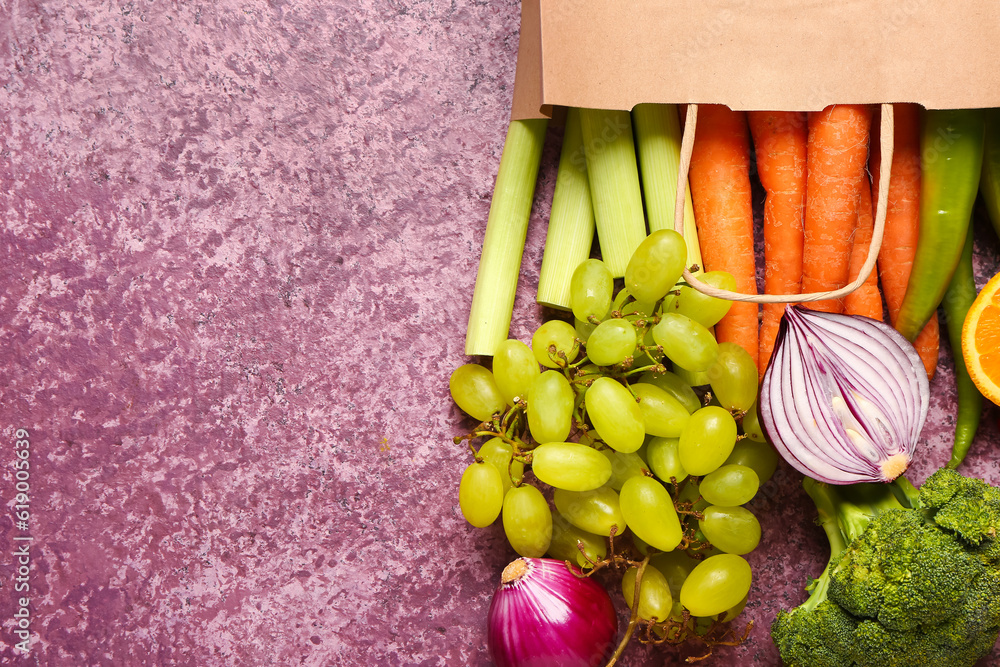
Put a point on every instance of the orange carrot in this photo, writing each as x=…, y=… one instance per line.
x=723, y=210
x=928, y=343
x=902, y=223
x=779, y=139
x=866, y=300
x=837, y=154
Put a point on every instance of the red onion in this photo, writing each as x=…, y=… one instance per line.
x=844, y=398
x=543, y=614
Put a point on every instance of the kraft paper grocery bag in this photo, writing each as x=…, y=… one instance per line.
x=760, y=54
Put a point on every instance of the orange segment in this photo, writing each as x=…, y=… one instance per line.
x=981, y=340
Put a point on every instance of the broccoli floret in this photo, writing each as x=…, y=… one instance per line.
x=905, y=585
x=820, y=637
x=903, y=572
x=965, y=506
x=817, y=633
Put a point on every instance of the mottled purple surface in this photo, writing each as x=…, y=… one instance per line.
x=240, y=241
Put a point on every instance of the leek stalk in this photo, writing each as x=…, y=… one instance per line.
x=506, y=230
x=614, y=185
x=571, y=224
x=658, y=141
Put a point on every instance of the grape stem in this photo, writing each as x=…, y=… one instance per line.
x=633, y=620
x=508, y=428
x=655, y=368
x=558, y=357
x=712, y=642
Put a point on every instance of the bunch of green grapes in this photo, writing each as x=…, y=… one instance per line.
x=640, y=432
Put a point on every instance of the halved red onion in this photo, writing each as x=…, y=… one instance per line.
x=543, y=614
x=844, y=398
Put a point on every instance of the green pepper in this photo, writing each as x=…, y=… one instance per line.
x=951, y=148
x=989, y=183
x=958, y=299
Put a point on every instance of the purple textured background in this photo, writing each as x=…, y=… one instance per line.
x=240, y=241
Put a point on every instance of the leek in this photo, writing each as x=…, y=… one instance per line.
x=571, y=223
x=506, y=229
x=614, y=185
x=658, y=141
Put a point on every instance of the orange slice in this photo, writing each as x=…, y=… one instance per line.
x=981, y=340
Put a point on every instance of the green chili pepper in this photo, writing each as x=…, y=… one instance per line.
x=951, y=146
x=957, y=300
x=989, y=184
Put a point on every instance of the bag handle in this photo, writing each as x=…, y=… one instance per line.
x=886, y=138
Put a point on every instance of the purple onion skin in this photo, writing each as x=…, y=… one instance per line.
x=542, y=615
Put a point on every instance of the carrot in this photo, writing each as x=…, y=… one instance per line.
x=719, y=175
x=837, y=154
x=779, y=139
x=928, y=343
x=902, y=224
x=865, y=300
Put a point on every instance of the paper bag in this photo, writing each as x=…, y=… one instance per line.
x=795, y=55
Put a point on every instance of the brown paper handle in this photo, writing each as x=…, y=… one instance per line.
x=687, y=144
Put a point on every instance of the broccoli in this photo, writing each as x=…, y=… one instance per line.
x=913, y=576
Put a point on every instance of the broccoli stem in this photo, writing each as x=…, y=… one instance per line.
x=826, y=507
x=858, y=504
x=905, y=492
x=844, y=513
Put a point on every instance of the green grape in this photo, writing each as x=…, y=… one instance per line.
x=615, y=413
x=730, y=485
x=550, y=407
x=664, y=459
x=751, y=425
x=690, y=493
x=704, y=309
x=692, y=378
x=655, y=266
x=499, y=453
x=566, y=539
x=640, y=546
x=716, y=585
x=475, y=391
x=649, y=511
x=480, y=494
x=583, y=329
x=707, y=440
x=641, y=452
x=623, y=466
x=736, y=610
x=757, y=455
x=733, y=377
x=675, y=566
x=672, y=384
x=640, y=309
x=622, y=299
x=662, y=414
x=590, y=290
x=595, y=511
x=514, y=368
x=734, y=530
x=685, y=342
x=527, y=521
x=570, y=466
x=553, y=341
x=611, y=342
x=655, y=599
